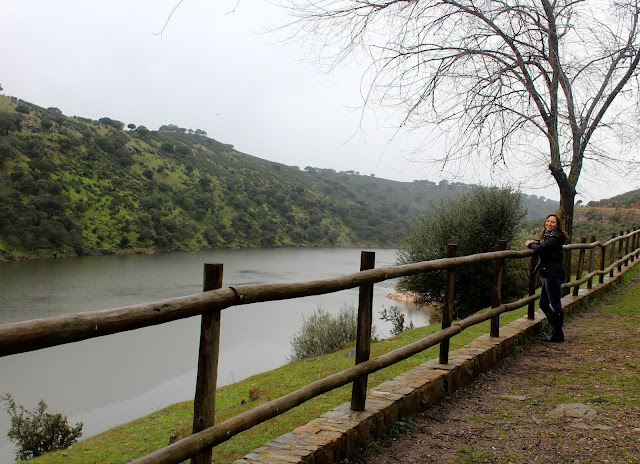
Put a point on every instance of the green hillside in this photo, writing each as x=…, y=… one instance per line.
x=71, y=185
x=626, y=200
x=604, y=221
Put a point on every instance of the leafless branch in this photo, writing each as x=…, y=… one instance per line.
x=168, y=19
x=507, y=75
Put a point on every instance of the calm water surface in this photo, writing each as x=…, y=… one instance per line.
x=110, y=380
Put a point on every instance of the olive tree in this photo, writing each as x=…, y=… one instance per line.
x=543, y=84
x=475, y=222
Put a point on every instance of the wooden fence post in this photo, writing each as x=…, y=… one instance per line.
x=567, y=260
x=612, y=255
x=531, y=310
x=620, y=255
x=447, y=310
x=496, y=296
x=592, y=253
x=633, y=244
x=603, y=259
x=626, y=247
x=579, y=267
x=363, y=337
x=204, y=404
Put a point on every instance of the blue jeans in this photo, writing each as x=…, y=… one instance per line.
x=551, y=296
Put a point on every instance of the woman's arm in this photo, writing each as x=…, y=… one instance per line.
x=555, y=241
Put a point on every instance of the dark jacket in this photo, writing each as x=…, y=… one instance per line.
x=550, y=252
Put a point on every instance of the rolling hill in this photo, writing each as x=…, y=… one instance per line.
x=72, y=185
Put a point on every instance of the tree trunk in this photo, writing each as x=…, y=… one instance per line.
x=567, y=198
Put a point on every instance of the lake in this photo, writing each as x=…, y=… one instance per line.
x=107, y=381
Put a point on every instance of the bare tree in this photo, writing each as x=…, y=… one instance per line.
x=544, y=83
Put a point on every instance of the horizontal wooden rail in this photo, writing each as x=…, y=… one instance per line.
x=193, y=444
x=577, y=246
x=586, y=277
x=270, y=292
x=20, y=337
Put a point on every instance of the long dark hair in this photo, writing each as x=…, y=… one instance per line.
x=558, y=220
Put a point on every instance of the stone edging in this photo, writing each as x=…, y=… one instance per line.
x=338, y=435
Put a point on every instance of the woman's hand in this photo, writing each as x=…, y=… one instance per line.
x=528, y=242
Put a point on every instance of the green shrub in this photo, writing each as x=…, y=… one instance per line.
x=9, y=122
x=23, y=109
x=324, y=333
x=475, y=222
x=396, y=318
x=37, y=432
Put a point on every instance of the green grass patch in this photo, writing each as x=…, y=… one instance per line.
x=469, y=454
x=625, y=303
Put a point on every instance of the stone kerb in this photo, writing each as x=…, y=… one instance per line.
x=340, y=433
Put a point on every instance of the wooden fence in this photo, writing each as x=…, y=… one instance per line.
x=42, y=333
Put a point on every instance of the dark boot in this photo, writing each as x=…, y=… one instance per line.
x=555, y=319
x=557, y=335
x=549, y=315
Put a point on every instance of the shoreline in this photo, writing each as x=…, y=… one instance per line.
x=406, y=297
x=7, y=256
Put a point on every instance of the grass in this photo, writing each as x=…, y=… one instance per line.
x=469, y=454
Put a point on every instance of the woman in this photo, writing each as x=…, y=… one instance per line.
x=549, y=249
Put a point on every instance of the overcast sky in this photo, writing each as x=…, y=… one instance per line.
x=214, y=68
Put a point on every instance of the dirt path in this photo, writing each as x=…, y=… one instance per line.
x=574, y=402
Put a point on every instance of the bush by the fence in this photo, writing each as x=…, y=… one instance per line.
x=396, y=318
x=475, y=222
x=37, y=432
x=324, y=333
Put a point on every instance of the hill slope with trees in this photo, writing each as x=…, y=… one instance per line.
x=629, y=200
x=72, y=185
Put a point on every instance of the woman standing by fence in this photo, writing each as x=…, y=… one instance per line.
x=549, y=249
